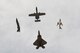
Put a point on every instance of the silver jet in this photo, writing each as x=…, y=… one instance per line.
x=59, y=24
x=18, y=26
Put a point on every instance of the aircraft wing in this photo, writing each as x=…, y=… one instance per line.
x=33, y=14
x=41, y=13
x=57, y=23
x=61, y=24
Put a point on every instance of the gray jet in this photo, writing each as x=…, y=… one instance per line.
x=39, y=42
x=37, y=14
x=59, y=24
x=18, y=26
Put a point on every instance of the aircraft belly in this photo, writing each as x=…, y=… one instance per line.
x=39, y=42
x=37, y=17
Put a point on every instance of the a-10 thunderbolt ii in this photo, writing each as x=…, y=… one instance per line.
x=59, y=24
x=37, y=14
x=39, y=42
x=18, y=26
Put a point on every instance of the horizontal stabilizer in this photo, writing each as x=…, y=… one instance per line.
x=37, y=20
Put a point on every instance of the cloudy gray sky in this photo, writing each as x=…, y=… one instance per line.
x=66, y=40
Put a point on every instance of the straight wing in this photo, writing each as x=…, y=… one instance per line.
x=32, y=14
x=41, y=13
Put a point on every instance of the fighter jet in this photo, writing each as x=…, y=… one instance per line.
x=59, y=23
x=37, y=14
x=18, y=26
x=39, y=42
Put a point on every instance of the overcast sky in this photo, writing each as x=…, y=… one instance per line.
x=66, y=40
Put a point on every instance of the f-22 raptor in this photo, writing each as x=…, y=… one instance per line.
x=37, y=14
x=39, y=42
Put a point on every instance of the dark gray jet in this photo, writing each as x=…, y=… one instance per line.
x=18, y=26
x=39, y=42
x=59, y=23
x=37, y=14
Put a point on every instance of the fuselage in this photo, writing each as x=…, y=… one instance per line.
x=18, y=27
x=60, y=23
x=37, y=14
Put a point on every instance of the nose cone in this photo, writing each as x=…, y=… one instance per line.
x=38, y=32
x=36, y=8
x=16, y=19
x=59, y=19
